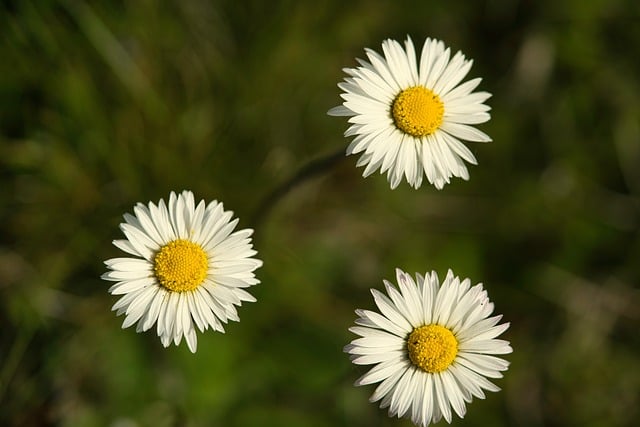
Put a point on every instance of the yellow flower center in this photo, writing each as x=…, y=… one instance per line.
x=432, y=348
x=181, y=265
x=417, y=111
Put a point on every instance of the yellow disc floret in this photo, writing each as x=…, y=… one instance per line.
x=432, y=348
x=417, y=111
x=181, y=265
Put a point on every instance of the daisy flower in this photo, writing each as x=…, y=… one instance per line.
x=432, y=345
x=188, y=268
x=408, y=117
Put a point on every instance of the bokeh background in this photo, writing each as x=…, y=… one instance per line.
x=107, y=104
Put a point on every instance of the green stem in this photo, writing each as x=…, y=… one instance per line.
x=310, y=170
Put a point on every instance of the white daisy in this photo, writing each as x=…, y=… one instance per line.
x=189, y=268
x=432, y=346
x=408, y=117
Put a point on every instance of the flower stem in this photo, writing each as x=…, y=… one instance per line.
x=310, y=170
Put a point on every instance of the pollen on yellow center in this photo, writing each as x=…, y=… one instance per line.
x=432, y=348
x=417, y=111
x=181, y=265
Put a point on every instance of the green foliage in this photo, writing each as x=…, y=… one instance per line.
x=113, y=103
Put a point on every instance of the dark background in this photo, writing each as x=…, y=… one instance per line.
x=109, y=104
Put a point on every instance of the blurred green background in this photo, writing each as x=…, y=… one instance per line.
x=113, y=103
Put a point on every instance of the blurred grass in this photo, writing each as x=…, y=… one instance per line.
x=108, y=104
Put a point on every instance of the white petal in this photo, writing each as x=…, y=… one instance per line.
x=381, y=67
x=381, y=372
x=139, y=240
x=145, y=218
x=127, y=286
x=389, y=383
x=398, y=63
x=441, y=399
x=139, y=306
x=192, y=339
x=453, y=393
x=339, y=111
x=409, y=291
x=468, y=133
x=153, y=310
x=390, y=311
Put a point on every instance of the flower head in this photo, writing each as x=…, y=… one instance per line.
x=432, y=345
x=408, y=117
x=188, y=270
